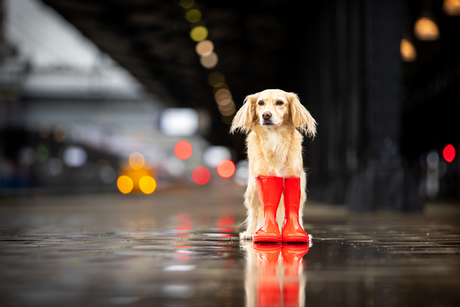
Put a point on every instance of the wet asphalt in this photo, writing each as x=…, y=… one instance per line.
x=180, y=247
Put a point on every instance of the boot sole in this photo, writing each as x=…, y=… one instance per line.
x=260, y=239
x=294, y=239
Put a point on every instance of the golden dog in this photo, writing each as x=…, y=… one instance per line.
x=274, y=121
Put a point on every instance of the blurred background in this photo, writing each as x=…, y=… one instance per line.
x=132, y=97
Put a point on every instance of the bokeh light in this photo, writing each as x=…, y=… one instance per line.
x=125, y=184
x=426, y=29
x=193, y=16
x=186, y=3
x=43, y=153
x=74, y=156
x=183, y=150
x=147, y=184
x=60, y=133
x=201, y=175
x=227, y=110
x=136, y=160
x=204, y=48
x=199, y=33
x=408, y=52
x=222, y=93
x=451, y=7
x=226, y=168
x=449, y=153
x=209, y=61
x=216, y=78
x=214, y=154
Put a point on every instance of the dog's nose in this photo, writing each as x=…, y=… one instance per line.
x=266, y=115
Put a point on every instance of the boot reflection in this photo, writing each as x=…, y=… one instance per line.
x=292, y=257
x=268, y=288
x=267, y=274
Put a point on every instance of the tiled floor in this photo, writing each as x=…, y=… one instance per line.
x=180, y=248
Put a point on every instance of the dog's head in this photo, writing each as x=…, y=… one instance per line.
x=272, y=109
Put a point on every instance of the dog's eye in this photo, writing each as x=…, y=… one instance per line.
x=261, y=103
x=279, y=103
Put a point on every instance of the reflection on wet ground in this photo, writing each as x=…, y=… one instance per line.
x=180, y=248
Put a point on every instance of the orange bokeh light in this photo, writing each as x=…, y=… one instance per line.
x=201, y=175
x=125, y=184
x=183, y=150
x=147, y=184
x=226, y=168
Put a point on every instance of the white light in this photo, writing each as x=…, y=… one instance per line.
x=179, y=268
x=27, y=156
x=108, y=174
x=242, y=173
x=53, y=167
x=74, y=156
x=179, y=122
x=214, y=154
x=432, y=159
x=175, y=167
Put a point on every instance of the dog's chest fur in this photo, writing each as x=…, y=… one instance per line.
x=272, y=146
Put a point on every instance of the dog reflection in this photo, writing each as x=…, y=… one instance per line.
x=275, y=274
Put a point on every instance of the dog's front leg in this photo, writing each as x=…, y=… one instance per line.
x=251, y=202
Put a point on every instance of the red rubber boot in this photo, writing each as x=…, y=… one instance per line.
x=292, y=231
x=270, y=189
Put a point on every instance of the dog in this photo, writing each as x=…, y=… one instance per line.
x=275, y=122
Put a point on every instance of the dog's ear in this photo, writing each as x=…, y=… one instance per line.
x=244, y=118
x=301, y=118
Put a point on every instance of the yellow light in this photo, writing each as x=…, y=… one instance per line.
x=125, y=184
x=216, y=78
x=204, y=48
x=199, y=33
x=193, y=16
x=426, y=29
x=408, y=52
x=147, y=184
x=136, y=160
x=451, y=7
x=186, y=3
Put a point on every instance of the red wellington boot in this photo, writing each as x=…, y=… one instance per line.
x=270, y=189
x=292, y=231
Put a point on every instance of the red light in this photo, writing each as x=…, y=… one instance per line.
x=226, y=168
x=183, y=150
x=185, y=223
x=226, y=223
x=201, y=175
x=449, y=153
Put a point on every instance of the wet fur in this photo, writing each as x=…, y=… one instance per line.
x=274, y=150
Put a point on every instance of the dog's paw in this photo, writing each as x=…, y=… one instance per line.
x=246, y=235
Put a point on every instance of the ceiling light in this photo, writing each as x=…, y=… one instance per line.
x=426, y=29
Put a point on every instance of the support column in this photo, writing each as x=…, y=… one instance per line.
x=385, y=182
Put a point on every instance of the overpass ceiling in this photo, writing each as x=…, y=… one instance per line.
x=151, y=39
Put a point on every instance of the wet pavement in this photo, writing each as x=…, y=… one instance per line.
x=180, y=247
